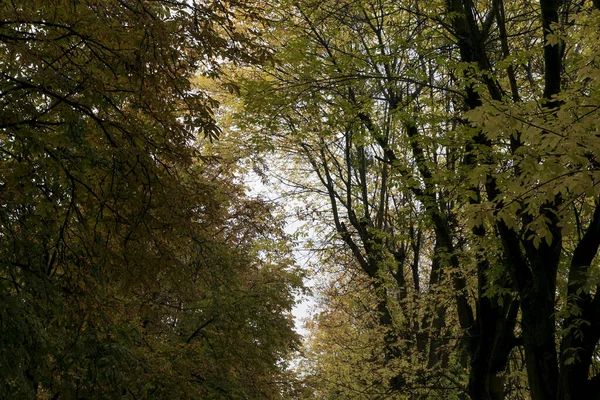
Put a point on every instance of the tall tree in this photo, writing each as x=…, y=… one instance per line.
x=131, y=264
x=478, y=116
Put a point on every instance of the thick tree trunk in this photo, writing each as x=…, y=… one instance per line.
x=539, y=345
x=538, y=293
x=534, y=272
x=492, y=342
x=580, y=338
x=493, y=334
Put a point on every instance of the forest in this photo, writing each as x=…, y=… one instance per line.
x=177, y=175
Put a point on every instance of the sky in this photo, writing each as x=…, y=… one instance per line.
x=306, y=303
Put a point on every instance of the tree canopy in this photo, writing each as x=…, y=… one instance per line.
x=443, y=156
x=451, y=149
x=132, y=265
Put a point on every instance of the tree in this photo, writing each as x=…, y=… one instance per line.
x=470, y=124
x=132, y=264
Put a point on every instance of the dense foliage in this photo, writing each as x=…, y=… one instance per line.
x=444, y=155
x=447, y=153
x=131, y=263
